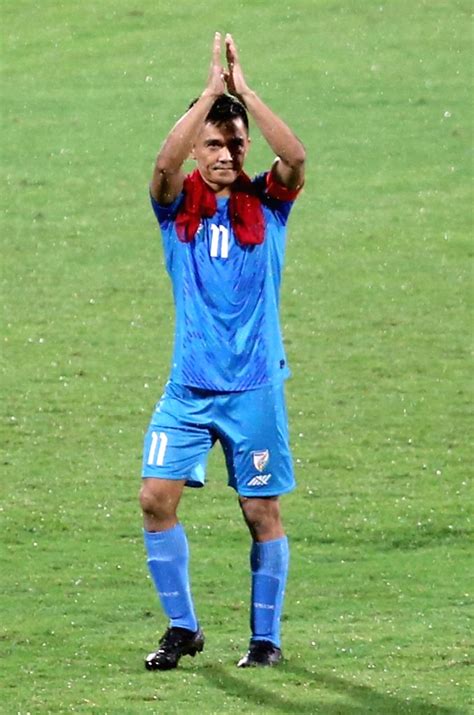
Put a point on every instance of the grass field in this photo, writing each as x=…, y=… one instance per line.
x=376, y=314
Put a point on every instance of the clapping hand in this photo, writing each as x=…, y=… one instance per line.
x=216, y=82
x=233, y=75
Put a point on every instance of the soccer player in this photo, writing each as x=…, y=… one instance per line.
x=224, y=241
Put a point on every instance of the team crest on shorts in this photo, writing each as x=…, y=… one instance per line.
x=260, y=459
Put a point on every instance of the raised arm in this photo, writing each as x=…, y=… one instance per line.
x=288, y=168
x=168, y=174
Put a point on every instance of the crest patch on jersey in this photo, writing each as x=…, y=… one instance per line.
x=260, y=459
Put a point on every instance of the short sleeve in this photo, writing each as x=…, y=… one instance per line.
x=275, y=198
x=166, y=214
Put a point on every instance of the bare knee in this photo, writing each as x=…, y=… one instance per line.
x=262, y=516
x=159, y=500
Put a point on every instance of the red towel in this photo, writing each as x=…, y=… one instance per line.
x=246, y=214
x=200, y=202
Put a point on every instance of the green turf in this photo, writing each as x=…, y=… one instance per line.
x=376, y=312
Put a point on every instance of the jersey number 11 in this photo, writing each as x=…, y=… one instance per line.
x=219, y=241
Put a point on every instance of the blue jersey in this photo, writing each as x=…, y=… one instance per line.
x=227, y=331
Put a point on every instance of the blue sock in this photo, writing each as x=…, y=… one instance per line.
x=269, y=563
x=168, y=557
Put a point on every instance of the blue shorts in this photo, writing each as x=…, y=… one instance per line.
x=252, y=427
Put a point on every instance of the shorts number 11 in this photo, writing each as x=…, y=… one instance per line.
x=159, y=440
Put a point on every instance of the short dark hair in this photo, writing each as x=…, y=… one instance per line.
x=224, y=109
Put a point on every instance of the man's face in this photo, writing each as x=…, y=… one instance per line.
x=220, y=152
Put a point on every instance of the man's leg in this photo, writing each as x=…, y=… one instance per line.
x=269, y=557
x=168, y=556
x=175, y=451
x=167, y=549
x=254, y=434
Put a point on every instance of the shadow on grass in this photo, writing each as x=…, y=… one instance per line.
x=364, y=699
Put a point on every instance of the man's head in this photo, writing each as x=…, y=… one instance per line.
x=223, y=142
x=224, y=109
